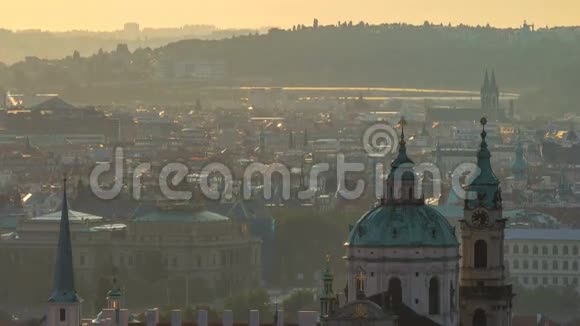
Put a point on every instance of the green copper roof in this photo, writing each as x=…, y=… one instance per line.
x=402, y=157
x=181, y=216
x=485, y=187
x=64, y=286
x=402, y=226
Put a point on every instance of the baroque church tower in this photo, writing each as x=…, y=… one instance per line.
x=485, y=293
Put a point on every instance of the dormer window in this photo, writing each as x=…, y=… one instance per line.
x=62, y=314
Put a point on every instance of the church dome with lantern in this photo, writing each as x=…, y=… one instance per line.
x=404, y=250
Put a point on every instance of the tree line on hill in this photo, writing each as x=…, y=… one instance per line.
x=543, y=64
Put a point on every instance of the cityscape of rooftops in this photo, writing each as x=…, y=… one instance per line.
x=290, y=163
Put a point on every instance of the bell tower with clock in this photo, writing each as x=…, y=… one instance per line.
x=485, y=295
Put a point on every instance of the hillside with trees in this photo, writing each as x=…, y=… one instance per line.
x=540, y=64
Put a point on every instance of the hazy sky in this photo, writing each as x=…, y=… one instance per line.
x=111, y=14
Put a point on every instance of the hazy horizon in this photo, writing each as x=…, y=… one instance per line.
x=109, y=15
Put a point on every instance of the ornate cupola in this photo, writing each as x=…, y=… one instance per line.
x=483, y=190
x=401, y=181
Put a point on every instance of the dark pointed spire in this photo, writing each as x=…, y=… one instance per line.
x=64, y=287
x=486, y=81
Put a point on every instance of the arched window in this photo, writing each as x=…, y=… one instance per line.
x=554, y=250
x=396, y=291
x=526, y=265
x=526, y=249
x=565, y=265
x=535, y=250
x=575, y=250
x=434, y=296
x=575, y=265
x=535, y=264
x=544, y=250
x=480, y=251
x=479, y=318
x=565, y=250
x=516, y=249
x=544, y=265
x=555, y=265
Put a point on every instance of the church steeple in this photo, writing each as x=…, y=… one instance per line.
x=64, y=304
x=484, y=189
x=64, y=287
x=482, y=233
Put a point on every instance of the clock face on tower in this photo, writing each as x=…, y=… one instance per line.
x=479, y=219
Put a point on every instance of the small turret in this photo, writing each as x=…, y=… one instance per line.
x=327, y=297
x=114, y=296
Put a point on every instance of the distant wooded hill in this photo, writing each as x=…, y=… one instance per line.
x=544, y=64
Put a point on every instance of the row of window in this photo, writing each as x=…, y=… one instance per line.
x=535, y=250
x=545, y=265
x=545, y=280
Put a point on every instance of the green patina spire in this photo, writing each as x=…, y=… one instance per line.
x=64, y=287
x=485, y=187
x=402, y=157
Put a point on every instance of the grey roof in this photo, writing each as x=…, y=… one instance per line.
x=543, y=234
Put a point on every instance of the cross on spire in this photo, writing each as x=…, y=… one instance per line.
x=402, y=123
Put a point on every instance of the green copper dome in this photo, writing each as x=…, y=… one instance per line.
x=405, y=220
x=402, y=226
